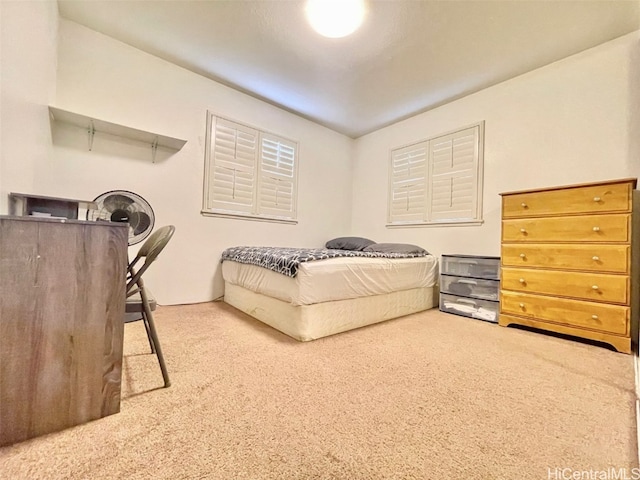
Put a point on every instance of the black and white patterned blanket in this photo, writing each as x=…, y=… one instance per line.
x=287, y=260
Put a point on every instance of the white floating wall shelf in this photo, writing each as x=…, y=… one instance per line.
x=94, y=125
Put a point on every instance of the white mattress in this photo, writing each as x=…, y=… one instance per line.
x=335, y=278
x=310, y=322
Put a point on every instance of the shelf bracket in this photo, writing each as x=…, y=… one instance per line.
x=92, y=132
x=154, y=149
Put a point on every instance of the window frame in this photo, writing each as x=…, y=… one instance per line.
x=256, y=210
x=426, y=219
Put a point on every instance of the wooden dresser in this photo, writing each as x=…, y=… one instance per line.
x=62, y=300
x=567, y=260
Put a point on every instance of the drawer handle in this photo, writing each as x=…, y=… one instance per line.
x=596, y=229
x=594, y=287
x=522, y=255
x=523, y=230
x=522, y=280
x=522, y=305
x=595, y=317
x=523, y=205
x=596, y=199
x=469, y=282
x=595, y=258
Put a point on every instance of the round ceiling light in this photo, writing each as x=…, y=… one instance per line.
x=335, y=18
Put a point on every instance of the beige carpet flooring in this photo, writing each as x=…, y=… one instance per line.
x=427, y=396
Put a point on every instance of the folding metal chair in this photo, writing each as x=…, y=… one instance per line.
x=140, y=301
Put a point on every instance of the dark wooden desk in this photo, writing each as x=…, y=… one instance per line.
x=62, y=299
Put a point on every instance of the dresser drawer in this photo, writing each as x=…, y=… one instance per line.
x=596, y=258
x=599, y=287
x=470, y=287
x=469, y=307
x=471, y=266
x=596, y=316
x=588, y=228
x=568, y=201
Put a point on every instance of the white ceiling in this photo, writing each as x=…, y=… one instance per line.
x=408, y=57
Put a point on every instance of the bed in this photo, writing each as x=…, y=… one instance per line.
x=313, y=293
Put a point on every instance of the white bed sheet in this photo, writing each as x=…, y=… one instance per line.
x=335, y=278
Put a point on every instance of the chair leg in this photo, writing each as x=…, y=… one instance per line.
x=153, y=339
x=146, y=327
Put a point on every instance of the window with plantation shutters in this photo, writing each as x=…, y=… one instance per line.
x=438, y=181
x=249, y=173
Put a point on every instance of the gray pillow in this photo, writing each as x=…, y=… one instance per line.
x=395, y=248
x=349, y=243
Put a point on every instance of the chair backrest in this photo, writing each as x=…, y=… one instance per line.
x=150, y=250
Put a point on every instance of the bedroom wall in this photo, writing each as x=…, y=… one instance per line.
x=28, y=42
x=107, y=79
x=568, y=122
x=576, y=120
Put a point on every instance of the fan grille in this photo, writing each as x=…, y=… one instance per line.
x=124, y=206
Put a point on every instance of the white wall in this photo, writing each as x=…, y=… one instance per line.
x=109, y=80
x=573, y=121
x=28, y=42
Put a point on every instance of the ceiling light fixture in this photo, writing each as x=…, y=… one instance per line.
x=335, y=18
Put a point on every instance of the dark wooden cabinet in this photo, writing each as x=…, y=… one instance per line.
x=62, y=299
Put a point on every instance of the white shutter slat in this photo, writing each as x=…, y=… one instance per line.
x=277, y=169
